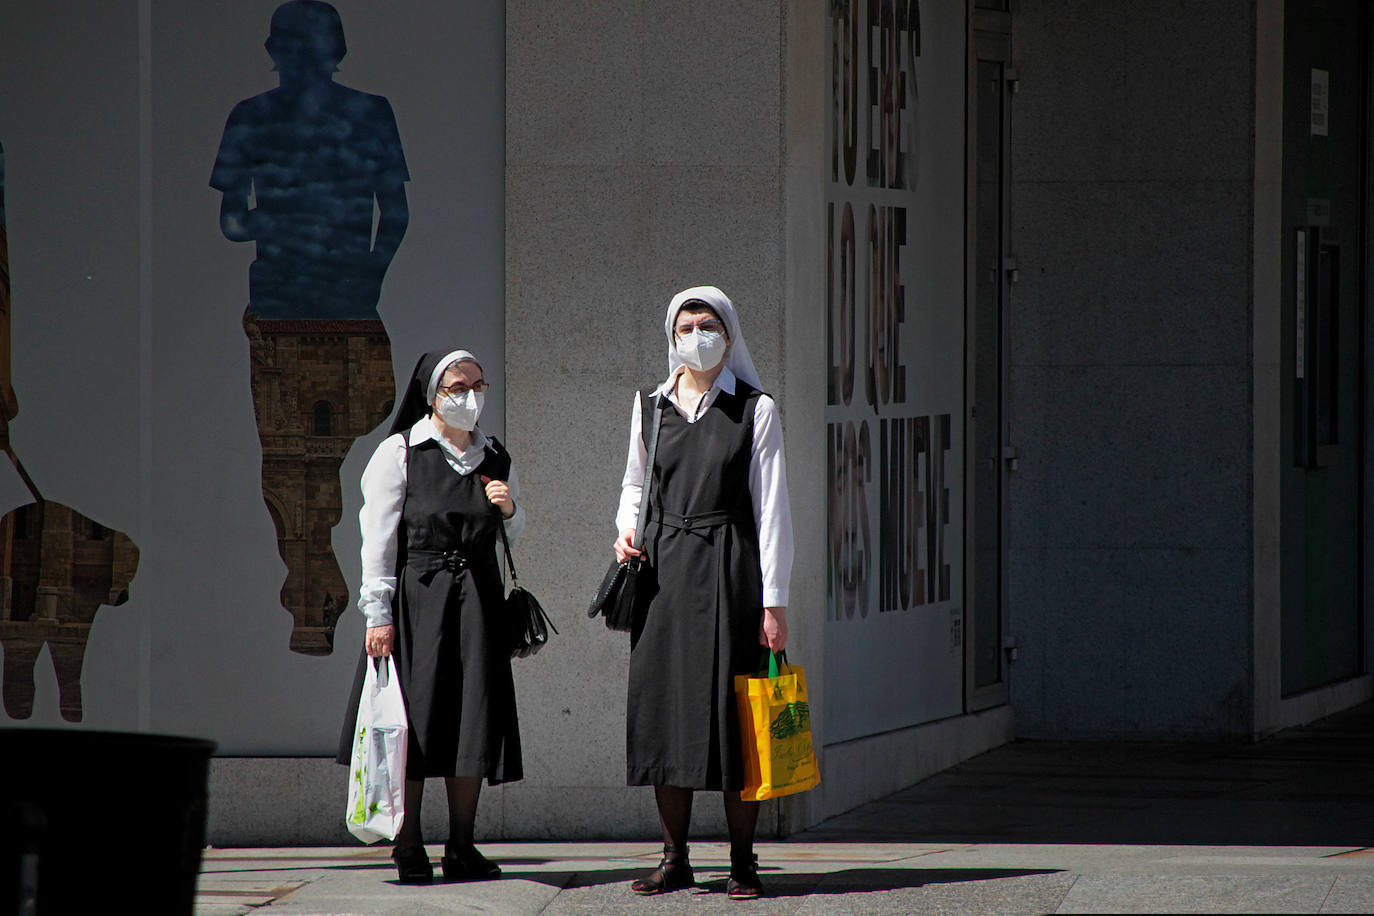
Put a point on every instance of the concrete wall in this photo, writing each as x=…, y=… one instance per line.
x=1130, y=585
x=643, y=155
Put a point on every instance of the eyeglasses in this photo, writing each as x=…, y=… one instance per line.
x=708, y=326
x=458, y=389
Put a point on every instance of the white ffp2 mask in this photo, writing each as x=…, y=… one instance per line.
x=461, y=411
x=702, y=350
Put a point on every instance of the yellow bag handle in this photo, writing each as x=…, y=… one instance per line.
x=773, y=662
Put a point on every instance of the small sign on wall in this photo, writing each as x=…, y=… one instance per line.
x=1321, y=101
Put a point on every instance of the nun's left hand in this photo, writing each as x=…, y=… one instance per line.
x=773, y=628
x=499, y=495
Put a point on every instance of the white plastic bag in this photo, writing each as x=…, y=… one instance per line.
x=376, y=775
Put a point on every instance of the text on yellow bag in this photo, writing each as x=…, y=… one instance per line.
x=775, y=728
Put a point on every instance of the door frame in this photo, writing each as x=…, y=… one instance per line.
x=989, y=39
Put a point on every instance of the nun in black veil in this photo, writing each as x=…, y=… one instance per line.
x=433, y=494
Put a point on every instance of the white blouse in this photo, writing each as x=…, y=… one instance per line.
x=384, y=492
x=767, y=481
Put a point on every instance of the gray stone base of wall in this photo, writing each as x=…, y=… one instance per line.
x=299, y=801
x=865, y=769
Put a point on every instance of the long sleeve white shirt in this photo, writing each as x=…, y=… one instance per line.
x=767, y=481
x=384, y=492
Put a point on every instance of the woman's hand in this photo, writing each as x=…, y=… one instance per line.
x=499, y=495
x=773, y=628
x=379, y=640
x=624, y=546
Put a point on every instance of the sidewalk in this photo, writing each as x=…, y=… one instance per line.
x=1284, y=826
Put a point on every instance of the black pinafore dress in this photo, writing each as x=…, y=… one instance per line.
x=453, y=665
x=701, y=627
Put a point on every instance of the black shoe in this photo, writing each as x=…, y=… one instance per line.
x=744, y=883
x=673, y=872
x=412, y=864
x=462, y=862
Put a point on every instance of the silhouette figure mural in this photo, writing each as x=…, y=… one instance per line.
x=57, y=567
x=303, y=170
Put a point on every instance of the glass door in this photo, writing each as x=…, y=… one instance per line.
x=990, y=454
x=1324, y=174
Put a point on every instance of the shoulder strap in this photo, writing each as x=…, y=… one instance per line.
x=505, y=542
x=496, y=462
x=647, y=487
x=495, y=447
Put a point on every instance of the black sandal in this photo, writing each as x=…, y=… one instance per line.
x=412, y=865
x=673, y=873
x=744, y=883
x=462, y=862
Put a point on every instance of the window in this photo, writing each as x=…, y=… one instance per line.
x=324, y=419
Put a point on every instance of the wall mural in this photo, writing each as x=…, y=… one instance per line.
x=868, y=289
x=57, y=567
x=894, y=338
x=304, y=169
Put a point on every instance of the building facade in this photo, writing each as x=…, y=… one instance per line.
x=1063, y=305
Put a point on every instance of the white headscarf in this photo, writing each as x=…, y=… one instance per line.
x=457, y=356
x=737, y=357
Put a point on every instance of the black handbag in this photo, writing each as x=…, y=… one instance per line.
x=527, y=626
x=623, y=592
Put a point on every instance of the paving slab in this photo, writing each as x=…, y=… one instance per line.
x=1350, y=894
x=1283, y=826
x=969, y=892
x=1196, y=894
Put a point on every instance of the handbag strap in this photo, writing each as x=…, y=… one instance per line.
x=505, y=542
x=647, y=487
x=497, y=447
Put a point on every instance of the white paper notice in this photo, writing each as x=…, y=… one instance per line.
x=1321, y=101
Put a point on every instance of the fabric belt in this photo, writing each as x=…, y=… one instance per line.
x=690, y=522
x=428, y=562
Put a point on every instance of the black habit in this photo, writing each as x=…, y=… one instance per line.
x=701, y=627
x=453, y=664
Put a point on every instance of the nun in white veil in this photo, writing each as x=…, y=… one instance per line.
x=718, y=552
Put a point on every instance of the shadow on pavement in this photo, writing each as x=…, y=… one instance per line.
x=780, y=883
x=1307, y=786
x=885, y=879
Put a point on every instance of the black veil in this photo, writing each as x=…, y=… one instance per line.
x=414, y=406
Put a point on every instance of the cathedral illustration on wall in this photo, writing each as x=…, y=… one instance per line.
x=317, y=386
x=57, y=567
x=306, y=170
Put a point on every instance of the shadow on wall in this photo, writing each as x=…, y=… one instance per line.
x=302, y=169
x=57, y=567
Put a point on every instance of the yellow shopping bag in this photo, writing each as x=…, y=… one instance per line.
x=775, y=731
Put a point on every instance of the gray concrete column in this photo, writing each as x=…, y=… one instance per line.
x=645, y=153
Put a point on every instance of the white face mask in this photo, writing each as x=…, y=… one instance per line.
x=702, y=350
x=461, y=411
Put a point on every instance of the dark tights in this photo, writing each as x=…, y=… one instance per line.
x=675, y=813
x=463, y=794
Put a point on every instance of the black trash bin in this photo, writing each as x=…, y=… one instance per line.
x=95, y=818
